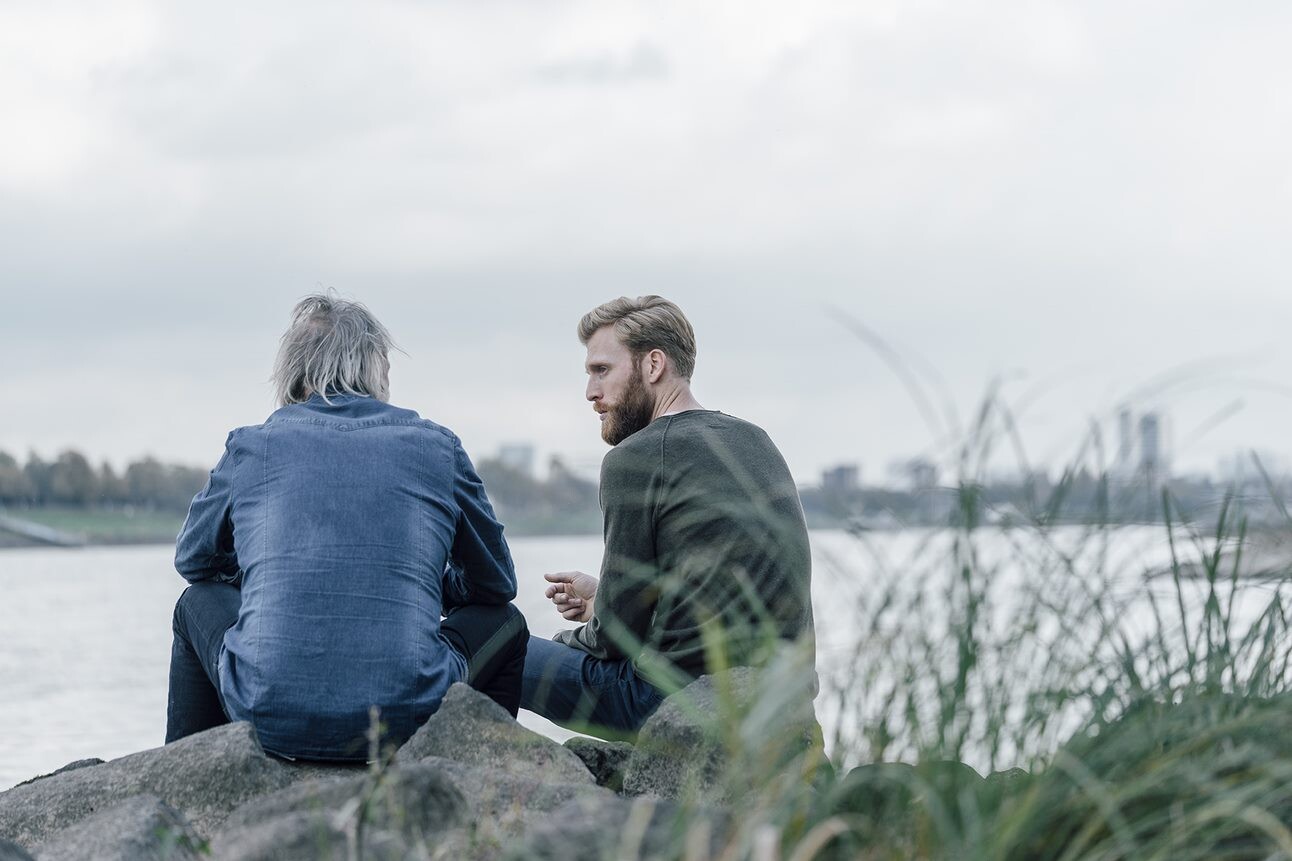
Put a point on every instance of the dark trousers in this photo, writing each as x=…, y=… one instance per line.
x=492, y=638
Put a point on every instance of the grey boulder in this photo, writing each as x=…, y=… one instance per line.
x=503, y=803
x=610, y=827
x=71, y=766
x=727, y=735
x=203, y=777
x=385, y=812
x=607, y=760
x=13, y=852
x=142, y=828
x=474, y=730
x=307, y=837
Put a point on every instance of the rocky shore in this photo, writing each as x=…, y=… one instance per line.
x=471, y=783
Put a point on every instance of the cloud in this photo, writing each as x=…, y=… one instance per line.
x=1037, y=185
x=645, y=62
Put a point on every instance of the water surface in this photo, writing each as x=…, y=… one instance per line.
x=85, y=634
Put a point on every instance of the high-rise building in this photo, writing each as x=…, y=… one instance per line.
x=1141, y=447
x=917, y=473
x=1124, y=466
x=842, y=480
x=1150, y=448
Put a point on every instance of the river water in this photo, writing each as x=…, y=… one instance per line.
x=85, y=634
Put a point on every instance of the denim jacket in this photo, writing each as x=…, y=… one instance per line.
x=350, y=528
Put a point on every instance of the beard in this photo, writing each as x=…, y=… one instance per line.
x=631, y=414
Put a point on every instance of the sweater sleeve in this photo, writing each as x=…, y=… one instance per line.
x=629, y=585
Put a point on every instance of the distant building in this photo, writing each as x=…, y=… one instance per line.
x=1141, y=448
x=917, y=473
x=1151, y=467
x=1125, y=464
x=518, y=456
x=841, y=481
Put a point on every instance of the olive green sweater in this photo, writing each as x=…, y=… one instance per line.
x=705, y=542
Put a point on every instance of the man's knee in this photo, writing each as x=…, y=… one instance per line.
x=181, y=609
x=205, y=600
x=515, y=624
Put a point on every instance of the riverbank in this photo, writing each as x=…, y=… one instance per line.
x=106, y=527
x=73, y=526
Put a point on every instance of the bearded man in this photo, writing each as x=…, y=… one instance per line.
x=706, y=561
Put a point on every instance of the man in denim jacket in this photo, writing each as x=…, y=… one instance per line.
x=322, y=553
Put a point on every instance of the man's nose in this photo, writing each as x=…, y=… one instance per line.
x=593, y=391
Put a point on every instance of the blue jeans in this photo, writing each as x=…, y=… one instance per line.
x=202, y=615
x=583, y=693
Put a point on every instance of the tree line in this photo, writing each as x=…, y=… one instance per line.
x=561, y=503
x=71, y=480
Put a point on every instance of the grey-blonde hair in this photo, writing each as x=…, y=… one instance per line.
x=333, y=346
x=643, y=324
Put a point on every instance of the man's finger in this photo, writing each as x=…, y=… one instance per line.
x=560, y=576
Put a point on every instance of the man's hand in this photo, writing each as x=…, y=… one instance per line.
x=573, y=593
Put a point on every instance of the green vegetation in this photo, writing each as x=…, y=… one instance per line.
x=142, y=505
x=71, y=480
x=1063, y=703
x=562, y=504
x=1105, y=733
x=125, y=525
x=147, y=501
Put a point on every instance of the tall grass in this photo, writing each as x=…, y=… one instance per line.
x=1122, y=706
x=1036, y=692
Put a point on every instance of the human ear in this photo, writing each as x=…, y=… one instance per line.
x=656, y=364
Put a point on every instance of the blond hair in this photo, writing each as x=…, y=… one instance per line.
x=643, y=324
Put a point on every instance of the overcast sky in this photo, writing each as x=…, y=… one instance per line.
x=1087, y=202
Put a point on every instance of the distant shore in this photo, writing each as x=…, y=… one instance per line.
x=72, y=526
x=104, y=527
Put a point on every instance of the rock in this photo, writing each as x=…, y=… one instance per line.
x=1002, y=788
x=504, y=802
x=407, y=806
x=142, y=828
x=471, y=728
x=71, y=766
x=309, y=837
x=726, y=735
x=13, y=852
x=876, y=794
x=203, y=777
x=419, y=800
x=605, y=759
x=885, y=793
x=609, y=826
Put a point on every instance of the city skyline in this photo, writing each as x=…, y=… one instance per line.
x=1142, y=455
